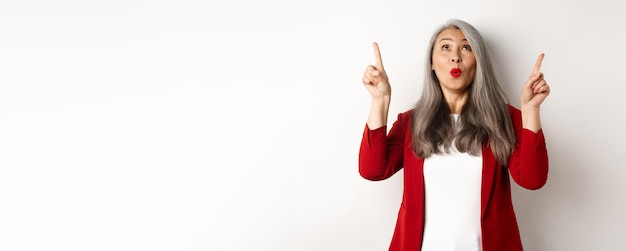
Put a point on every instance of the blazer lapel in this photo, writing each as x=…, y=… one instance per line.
x=489, y=163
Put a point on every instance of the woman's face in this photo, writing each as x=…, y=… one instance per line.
x=453, y=61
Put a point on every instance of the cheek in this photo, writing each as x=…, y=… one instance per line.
x=439, y=62
x=471, y=63
x=472, y=59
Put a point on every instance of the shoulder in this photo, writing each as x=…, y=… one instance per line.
x=404, y=119
x=406, y=115
x=513, y=111
x=516, y=114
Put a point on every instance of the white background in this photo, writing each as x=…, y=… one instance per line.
x=195, y=125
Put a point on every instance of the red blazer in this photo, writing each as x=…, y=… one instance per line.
x=382, y=155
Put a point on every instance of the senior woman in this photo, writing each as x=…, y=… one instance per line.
x=457, y=147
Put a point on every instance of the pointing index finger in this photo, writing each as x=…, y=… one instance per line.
x=538, y=64
x=379, y=59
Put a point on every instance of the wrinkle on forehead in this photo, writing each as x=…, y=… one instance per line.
x=448, y=37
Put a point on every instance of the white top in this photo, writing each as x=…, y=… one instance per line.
x=452, y=188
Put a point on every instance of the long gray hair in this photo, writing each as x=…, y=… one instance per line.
x=485, y=116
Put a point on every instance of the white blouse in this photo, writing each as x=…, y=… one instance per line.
x=452, y=185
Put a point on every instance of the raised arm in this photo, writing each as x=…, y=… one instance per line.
x=529, y=162
x=380, y=155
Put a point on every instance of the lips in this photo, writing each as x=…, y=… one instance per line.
x=456, y=72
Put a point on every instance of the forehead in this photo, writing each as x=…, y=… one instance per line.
x=453, y=34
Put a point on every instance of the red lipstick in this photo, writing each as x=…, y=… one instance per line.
x=456, y=72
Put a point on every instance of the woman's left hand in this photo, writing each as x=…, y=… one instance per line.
x=536, y=89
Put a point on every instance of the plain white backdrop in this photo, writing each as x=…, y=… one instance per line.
x=195, y=125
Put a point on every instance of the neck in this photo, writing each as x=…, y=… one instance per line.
x=456, y=101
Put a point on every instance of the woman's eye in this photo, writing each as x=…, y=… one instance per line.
x=445, y=47
x=467, y=48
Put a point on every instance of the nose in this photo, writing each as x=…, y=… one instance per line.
x=455, y=56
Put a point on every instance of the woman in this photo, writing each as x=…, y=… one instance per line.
x=457, y=147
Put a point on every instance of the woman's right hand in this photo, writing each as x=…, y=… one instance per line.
x=375, y=79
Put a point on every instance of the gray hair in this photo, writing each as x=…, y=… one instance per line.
x=484, y=117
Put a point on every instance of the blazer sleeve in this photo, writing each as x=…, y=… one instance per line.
x=528, y=163
x=381, y=154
